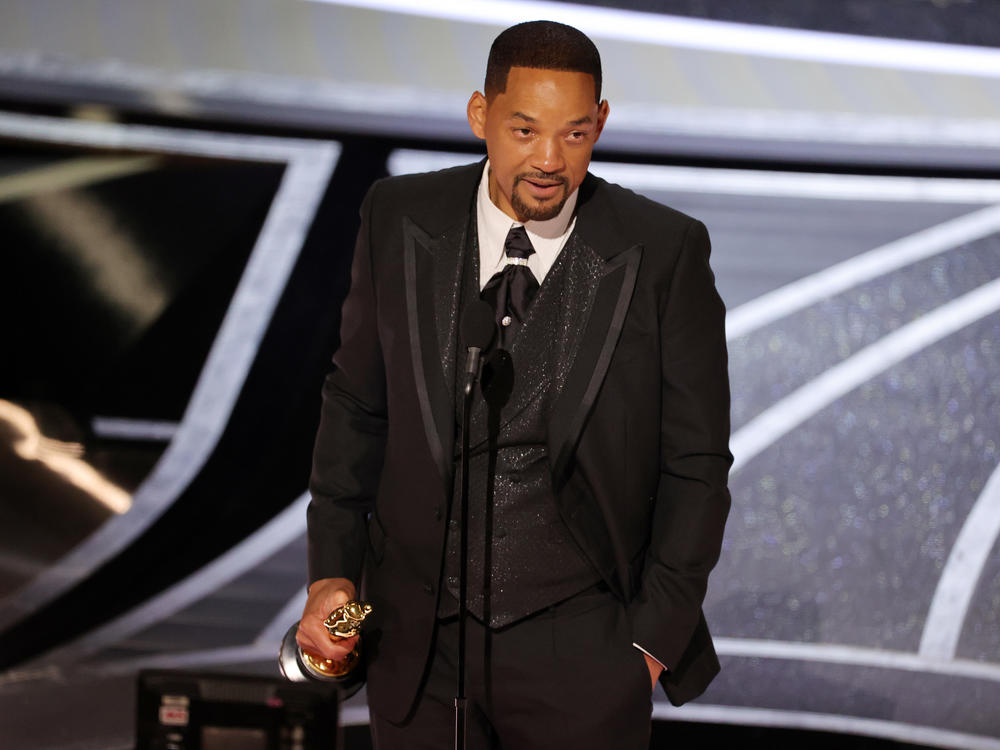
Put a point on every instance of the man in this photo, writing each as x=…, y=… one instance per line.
x=599, y=464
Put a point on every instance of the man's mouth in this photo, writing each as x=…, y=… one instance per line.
x=542, y=188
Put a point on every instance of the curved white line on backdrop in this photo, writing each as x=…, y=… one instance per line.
x=72, y=173
x=861, y=268
x=274, y=631
x=962, y=571
x=122, y=428
x=309, y=166
x=788, y=413
x=280, y=531
x=721, y=36
x=815, y=185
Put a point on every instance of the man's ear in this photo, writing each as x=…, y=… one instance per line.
x=476, y=112
x=603, y=109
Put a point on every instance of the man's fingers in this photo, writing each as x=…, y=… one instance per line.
x=324, y=601
x=321, y=644
x=340, y=597
x=313, y=636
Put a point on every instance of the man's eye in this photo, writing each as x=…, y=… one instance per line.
x=523, y=132
x=577, y=135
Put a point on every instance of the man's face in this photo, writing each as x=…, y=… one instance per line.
x=539, y=135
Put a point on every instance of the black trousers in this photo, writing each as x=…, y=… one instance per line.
x=568, y=676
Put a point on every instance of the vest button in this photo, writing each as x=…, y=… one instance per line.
x=514, y=477
x=500, y=533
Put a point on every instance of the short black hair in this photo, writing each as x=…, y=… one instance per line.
x=541, y=44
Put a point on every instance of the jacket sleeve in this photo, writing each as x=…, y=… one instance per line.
x=692, y=499
x=350, y=442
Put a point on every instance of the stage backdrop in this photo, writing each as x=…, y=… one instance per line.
x=178, y=190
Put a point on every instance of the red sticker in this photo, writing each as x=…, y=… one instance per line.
x=173, y=716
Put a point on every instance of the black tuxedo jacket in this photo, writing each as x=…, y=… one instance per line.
x=638, y=439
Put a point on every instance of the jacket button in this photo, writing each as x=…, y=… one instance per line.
x=437, y=512
x=428, y=589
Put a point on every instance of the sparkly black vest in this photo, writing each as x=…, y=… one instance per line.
x=522, y=557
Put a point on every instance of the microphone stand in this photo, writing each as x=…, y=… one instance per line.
x=478, y=329
x=461, y=702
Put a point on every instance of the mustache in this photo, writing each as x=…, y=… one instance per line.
x=561, y=179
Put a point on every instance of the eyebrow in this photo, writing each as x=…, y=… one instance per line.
x=529, y=118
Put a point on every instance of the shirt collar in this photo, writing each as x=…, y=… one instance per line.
x=499, y=223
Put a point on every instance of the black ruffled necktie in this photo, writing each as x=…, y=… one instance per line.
x=511, y=290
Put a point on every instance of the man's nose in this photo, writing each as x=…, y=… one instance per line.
x=548, y=156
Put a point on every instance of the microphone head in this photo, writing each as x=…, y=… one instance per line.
x=478, y=325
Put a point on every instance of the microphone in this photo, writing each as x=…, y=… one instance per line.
x=478, y=329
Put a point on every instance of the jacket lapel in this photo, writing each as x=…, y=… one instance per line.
x=601, y=231
x=433, y=256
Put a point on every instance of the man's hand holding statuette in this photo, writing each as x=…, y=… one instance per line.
x=325, y=595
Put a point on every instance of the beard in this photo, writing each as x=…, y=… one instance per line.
x=538, y=211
